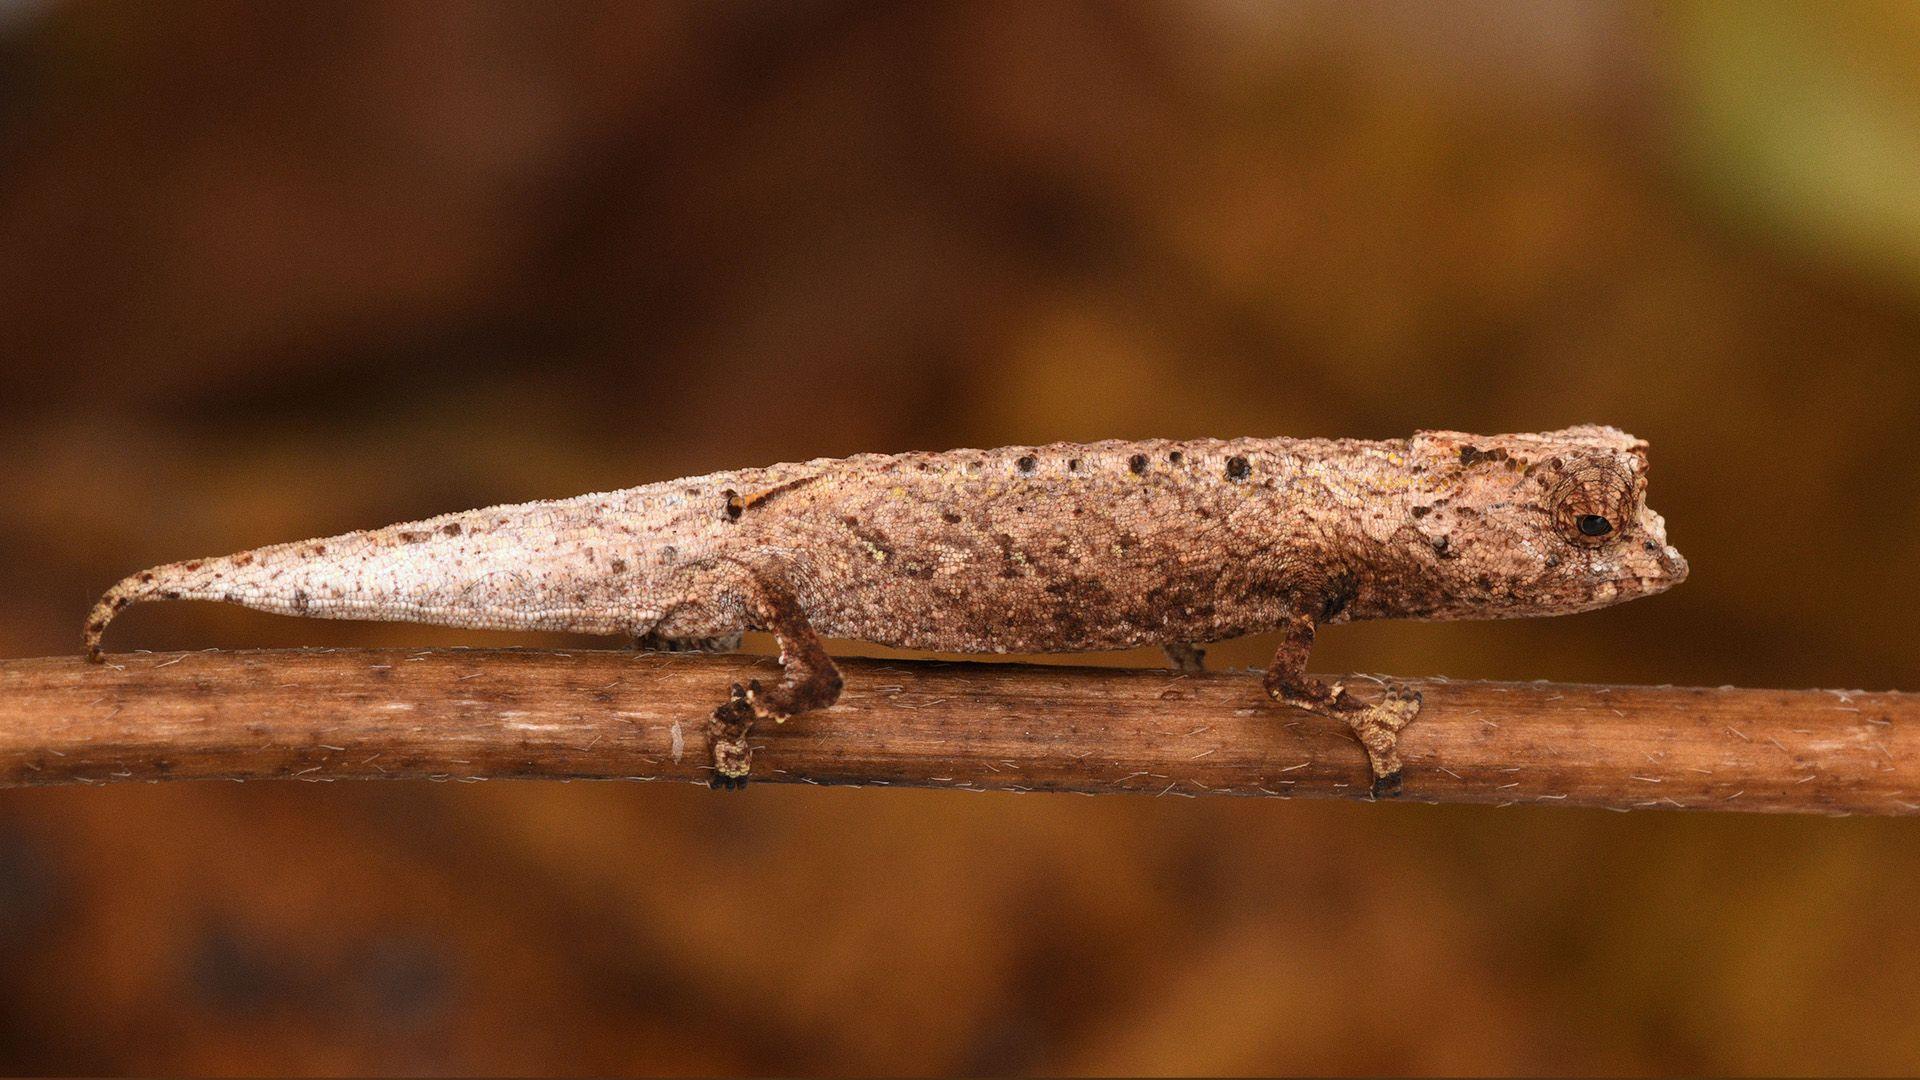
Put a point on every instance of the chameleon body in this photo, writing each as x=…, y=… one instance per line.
x=1059, y=548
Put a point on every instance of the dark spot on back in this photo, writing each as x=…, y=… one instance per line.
x=410, y=537
x=300, y=601
x=1422, y=511
x=146, y=576
x=1027, y=464
x=878, y=541
x=451, y=528
x=950, y=517
x=1176, y=458
x=1138, y=463
x=1238, y=468
x=170, y=594
x=191, y=566
x=669, y=552
x=618, y=566
x=1073, y=465
x=1005, y=543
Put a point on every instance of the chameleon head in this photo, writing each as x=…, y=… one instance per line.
x=1547, y=524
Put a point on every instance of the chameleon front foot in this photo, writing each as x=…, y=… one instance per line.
x=1376, y=724
x=1378, y=728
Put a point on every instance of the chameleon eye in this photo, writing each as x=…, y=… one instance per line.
x=1592, y=501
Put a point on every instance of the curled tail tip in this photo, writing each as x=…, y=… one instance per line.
x=109, y=605
x=97, y=627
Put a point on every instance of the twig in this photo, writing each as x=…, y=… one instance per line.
x=467, y=714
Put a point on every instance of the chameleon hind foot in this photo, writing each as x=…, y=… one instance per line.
x=808, y=681
x=733, y=722
x=727, y=733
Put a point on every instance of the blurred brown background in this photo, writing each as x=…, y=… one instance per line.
x=277, y=271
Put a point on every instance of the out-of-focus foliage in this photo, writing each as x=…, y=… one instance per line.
x=273, y=271
x=1805, y=119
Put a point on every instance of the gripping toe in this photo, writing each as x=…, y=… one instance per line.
x=1388, y=786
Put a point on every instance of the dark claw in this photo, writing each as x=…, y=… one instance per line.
x=727, y=783
x=734, y=712
x=1388, y=786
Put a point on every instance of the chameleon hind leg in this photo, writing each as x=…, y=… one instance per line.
x=1376, y=724
x=808, y=681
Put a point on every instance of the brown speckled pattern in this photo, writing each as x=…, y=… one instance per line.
x=1060, y=548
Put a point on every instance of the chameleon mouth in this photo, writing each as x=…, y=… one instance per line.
x=1670, y=570
x=1646, y=584
x=1673, y=568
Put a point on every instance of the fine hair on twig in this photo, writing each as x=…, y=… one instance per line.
x=319, y=715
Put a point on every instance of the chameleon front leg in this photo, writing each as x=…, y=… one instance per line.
x=1377, y=725
x=808, y=681
x=1185, y=656
x=652, y=642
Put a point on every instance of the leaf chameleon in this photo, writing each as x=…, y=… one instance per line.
x=1030, y=549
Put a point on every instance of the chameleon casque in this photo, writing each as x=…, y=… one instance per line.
x=1031, y=549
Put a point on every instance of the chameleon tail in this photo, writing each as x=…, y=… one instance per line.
x=468, y=569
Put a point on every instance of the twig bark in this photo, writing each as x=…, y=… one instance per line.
x=462, y=715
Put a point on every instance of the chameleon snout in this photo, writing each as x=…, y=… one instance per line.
x=1672, y=563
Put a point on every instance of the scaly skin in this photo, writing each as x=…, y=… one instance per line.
x=1061, y=548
